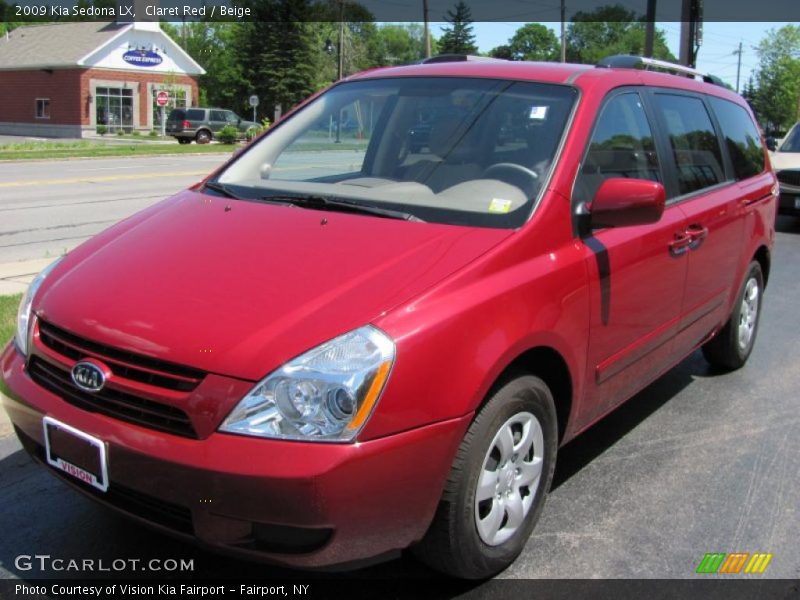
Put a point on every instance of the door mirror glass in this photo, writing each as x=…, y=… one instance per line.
x=621, y=202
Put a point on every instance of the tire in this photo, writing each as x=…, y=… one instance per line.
x=203, y=136
x=478, y=532
x=184, y=141
x=732, y=346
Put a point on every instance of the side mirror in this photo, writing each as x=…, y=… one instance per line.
x=772, y=144
x=621, y=202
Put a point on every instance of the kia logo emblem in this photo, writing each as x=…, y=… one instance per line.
x=88, y=376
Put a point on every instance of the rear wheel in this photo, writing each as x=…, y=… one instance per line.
x=203, y=136
x=732, y=346
x=497, y=484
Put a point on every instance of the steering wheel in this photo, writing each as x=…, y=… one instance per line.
x=517, y=175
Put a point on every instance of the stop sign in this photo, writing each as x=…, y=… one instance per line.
x=162, y=98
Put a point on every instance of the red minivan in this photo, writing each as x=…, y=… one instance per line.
x=352, y=339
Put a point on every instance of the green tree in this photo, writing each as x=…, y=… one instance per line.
x=503, y=52
x=777, y=78
x=534, y=41
x=398, y=44
x=210, y=44
x=7, y=14
x=610, y=30
x=458, y=38
x=277, y=53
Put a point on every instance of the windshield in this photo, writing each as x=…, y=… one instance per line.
x=446, y=150
x=792, y=141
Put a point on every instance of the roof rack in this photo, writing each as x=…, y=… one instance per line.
x=445, y=58
x=630, y=61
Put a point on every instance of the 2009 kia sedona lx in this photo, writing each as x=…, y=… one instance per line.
x=347, y=342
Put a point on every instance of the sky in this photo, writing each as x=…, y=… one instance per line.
x=715, y=56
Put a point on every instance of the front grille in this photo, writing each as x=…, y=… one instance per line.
x=124, y=364
x=155, y=510
x=110, y=402
x=789, y=177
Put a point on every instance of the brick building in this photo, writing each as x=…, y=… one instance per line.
x=65, y=79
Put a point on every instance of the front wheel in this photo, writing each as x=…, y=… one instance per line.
x=497, y=484
x=732, y=346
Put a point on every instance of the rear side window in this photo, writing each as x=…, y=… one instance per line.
x=694, y=142
x=177, y=115
x=194, y=114
x=741, y=137
x=622, y=146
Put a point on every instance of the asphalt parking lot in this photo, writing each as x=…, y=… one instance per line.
x=698, y=462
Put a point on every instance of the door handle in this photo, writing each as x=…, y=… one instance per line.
x=680, y=244
x=750, y=200
x=697, y=233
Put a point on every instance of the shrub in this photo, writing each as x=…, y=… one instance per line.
x=120, y=132
x=136, y=133
x=228, y=134
x=251, y=133
x=153, y=133
x=102, y=130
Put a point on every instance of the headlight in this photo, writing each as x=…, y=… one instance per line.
x=326, y=394
x=24, y=313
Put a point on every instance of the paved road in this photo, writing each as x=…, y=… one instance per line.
x=49, y=207
x=698, y=462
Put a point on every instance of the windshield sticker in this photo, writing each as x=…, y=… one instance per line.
x=499, y=206
x=538, y=113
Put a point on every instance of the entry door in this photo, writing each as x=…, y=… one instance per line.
x=714, y=204
x=637, y=273
x=217, y=118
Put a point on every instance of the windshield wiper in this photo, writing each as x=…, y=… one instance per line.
x=223, y=189
x=323, y=203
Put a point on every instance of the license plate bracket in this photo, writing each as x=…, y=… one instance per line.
x=76, y=453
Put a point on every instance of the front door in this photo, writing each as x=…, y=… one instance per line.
x=637, y=273
x=217, y=120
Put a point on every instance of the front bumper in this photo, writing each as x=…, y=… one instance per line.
x=292, y=503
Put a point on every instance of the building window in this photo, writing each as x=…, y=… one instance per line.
x=43, y=108
x=114, y=108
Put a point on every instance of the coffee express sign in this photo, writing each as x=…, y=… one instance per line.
x=142, y=58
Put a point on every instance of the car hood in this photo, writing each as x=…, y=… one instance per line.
x=238, y=288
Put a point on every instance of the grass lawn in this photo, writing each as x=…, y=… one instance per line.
x=8, y=317
x=87, y=149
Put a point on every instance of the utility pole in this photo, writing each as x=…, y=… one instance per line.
x=650, y=28
x=691, y=31
x=563, y=31
x=427, y=32
x=738, y=65
x=340, y=70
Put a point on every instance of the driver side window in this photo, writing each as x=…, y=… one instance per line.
x=622, y=145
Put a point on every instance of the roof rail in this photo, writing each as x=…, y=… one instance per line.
x=630, y=61
x=445, y=58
